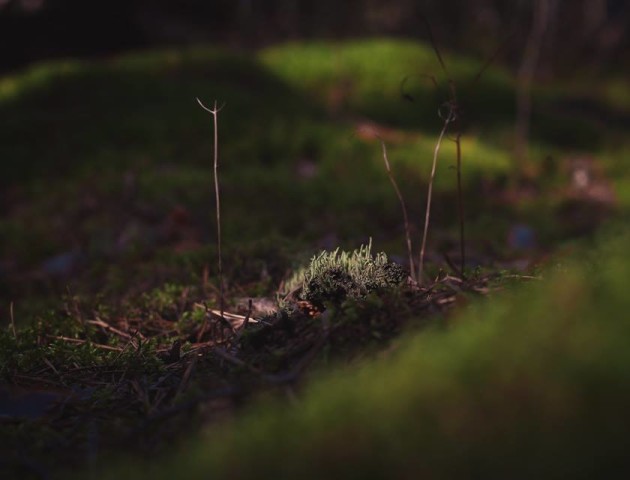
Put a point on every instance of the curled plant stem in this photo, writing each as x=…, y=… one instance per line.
x=454, y=114
x=427, y=215
x=412, y=267
x=215, y=115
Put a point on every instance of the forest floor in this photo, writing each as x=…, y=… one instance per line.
x=109, y=288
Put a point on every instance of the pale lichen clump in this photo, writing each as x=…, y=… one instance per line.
x=332, y=277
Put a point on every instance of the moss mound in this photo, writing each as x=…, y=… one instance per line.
x=533, y=384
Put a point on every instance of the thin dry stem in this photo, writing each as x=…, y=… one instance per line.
x=412, y=267
x=427, y=215
x=504, y=44
x=186, y=377
x=408, y=96
x=434, y=45
x=215, y=115
x=12, y=320
x=453, y=116
x=542, y=13
x=99, y=323
x=79, y=341
x=460, y=204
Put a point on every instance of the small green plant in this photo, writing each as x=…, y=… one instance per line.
x=191, y=319
x=165, y=300
x=338, y=275
x=58, y=346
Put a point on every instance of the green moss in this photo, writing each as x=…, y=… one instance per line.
x=531, y=384
x=36, y=78
x=61, y=343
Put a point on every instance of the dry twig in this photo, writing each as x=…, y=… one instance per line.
x=79, y=341
x=100, y=323
x=215, y=115
x=12, y=320
x=427, y=215
x=412, y=267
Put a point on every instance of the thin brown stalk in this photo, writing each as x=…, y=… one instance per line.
x=427, y=214
x=220, y=352
x=407, y=96
x=12, y=320
x=215, y=115
x=453, y=116
x=491, y=59
x=460, y=203
x=542, y=13
x=412, y=267
x=100, y=323
x=434, y=45
x=186, y=377
x=453, y=113
x=250, y=309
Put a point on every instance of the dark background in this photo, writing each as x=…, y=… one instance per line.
x=583, y=33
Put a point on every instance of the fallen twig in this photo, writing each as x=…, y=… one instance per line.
x=100, y=323
x=235, y=360
x=81, y=342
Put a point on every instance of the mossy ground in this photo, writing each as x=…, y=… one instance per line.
x=107, y=212
x=534, y=383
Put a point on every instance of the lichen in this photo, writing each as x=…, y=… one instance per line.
x=332, y=277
